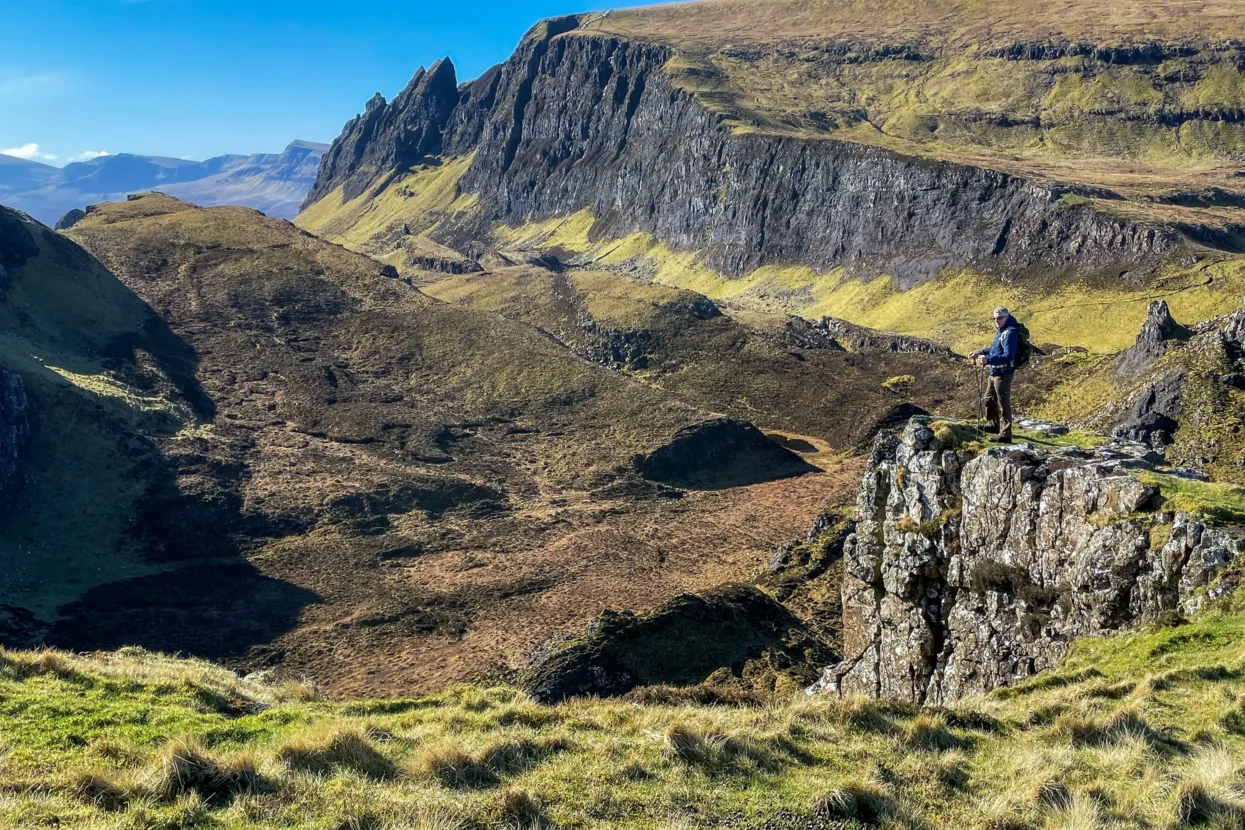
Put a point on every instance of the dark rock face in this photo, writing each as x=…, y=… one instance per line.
x=603, y=129
x=734, y=628
x=1234, y=330
x=1154, y=418
x=720, y=453
x=17, y=243
x=70, y=219
x=966, y=572
x=580, y=121
x=14, y=424
x=1158, y=330
x=864, y=339
x=390, y=136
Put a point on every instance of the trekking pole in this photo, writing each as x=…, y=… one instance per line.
x=977, y=371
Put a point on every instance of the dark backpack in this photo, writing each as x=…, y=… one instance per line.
x=1024, y=350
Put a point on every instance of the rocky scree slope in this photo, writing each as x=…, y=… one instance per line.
x=972, y=570
x=581, y=120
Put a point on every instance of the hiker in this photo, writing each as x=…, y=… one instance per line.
x=1001, y=358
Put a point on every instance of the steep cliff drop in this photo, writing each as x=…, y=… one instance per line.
x=581, y=121
x=972, y=570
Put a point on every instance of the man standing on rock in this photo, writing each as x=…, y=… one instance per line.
x=1001, y=358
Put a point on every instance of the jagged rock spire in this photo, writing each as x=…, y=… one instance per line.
x=1157, y=332
x=390, y=135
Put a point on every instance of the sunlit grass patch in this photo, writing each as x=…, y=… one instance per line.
x=1211, y=500
x=1139, y=725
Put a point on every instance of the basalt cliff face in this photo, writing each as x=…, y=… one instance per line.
x=576, y=120
x=390, y=136
x=969, y=571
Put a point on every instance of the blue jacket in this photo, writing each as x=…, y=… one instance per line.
x=1003, y=350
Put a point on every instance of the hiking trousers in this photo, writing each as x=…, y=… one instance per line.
x=999, y=405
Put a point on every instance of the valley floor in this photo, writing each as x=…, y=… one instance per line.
x=598, y=557
x=1140, y=730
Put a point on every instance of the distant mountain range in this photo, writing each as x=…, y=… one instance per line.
x=275, y=183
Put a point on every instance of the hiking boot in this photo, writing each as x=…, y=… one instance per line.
x=1002, y=439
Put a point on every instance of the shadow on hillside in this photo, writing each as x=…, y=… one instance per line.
x=92, y=452
x=216, y=611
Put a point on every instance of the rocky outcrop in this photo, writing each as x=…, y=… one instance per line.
x=1157, y=332
x=14, y=424
x=863, y=339
x=972, y=571
x=1186, y=400
x=389, y=137
x=1154, y=416
x=723, y=452
x=578, y=121
x=71, y=218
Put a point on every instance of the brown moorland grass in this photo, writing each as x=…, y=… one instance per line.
x=413, y=492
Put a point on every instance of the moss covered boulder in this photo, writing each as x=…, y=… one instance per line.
x=733, y=635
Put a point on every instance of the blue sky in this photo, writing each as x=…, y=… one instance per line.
x=199, y=78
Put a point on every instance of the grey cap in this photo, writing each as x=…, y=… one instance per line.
x=1002, y=312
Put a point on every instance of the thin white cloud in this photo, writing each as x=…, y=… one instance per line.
x=30, y=152
x=87, y=155
x=16, y=83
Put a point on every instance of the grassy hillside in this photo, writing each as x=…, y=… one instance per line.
x=1125, y=95
x=254, y=445
x=677, y=341
x=953, y=309
x=390, y=217
x=1142, y=730
x=104, y=376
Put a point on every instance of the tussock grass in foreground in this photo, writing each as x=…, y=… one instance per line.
x=185, y=766
x=1140, y=730
x=342, y=748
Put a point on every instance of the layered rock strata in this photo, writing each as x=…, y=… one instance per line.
x=580, y=121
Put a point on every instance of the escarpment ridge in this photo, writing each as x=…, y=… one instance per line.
x=580, y=121
x=757, y=151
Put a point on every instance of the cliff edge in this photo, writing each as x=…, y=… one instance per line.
x=972, y=570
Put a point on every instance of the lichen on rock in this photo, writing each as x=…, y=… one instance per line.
x=973, y=570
